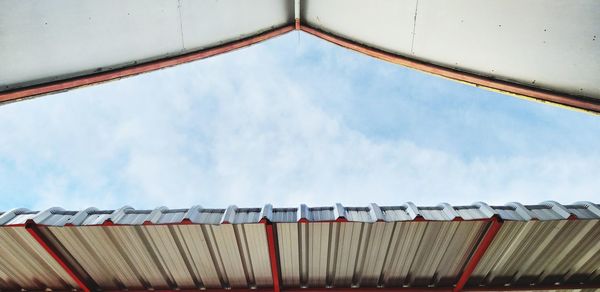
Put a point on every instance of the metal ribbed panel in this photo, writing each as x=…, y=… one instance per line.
x=541, y=252
x=332, y=246
x=246, y=215
x=470, y=212
x=371, y=213
x=390, y=254
x=285, y=215
x=430, y=253
x=395, y=213
x=290, y=262
x=100, y=255
x=359, y=214
x=25, y=264
x=208, y=216
x=171, y=256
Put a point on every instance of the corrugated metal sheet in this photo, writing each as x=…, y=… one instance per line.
x=25, y=264
x=548, y=252
x=171, y=256
x=382, y=254
x=317, y=247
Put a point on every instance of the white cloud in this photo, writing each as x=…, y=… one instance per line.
x=246, y=129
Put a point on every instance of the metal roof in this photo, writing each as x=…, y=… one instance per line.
x=510, y=46
x=515, y=246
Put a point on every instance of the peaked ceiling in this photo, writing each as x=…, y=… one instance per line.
x=547, y=51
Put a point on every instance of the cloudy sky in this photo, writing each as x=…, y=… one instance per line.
x=288, y=121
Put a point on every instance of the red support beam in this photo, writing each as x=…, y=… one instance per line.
x=272, y=241
x=62, y=85
x=34, y=230
x=485, y=243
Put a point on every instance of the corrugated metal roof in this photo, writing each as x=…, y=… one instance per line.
x=316, y=247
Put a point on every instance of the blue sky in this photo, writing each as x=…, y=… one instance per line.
x=288, y=121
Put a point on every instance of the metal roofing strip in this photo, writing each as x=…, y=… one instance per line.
x=199, y=257
x=591, y=206
x=567, y=250
x=32, y=228
x=303, y=213
x=80, y=216
x=10, y=214
x=339, y=213
x=116, y=216
x=413, y=210
x=166, y=248
x=587, y=104
x=229, y=215
x=522, y=211
x=191, y=214
x=449, y=211
x=558, y=208
x=376, y=213
x=585, y=257
x=133, y=248
x=485, y=209
x=267, y=213
x=537, y=253
x=62, y=85
x=155, y=215
x=370, y=213
x=25, y=264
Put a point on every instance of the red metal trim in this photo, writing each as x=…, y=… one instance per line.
x=271, y=240
x=33, y=229
x=62, y=85
x=584, y=103
x=485, y=243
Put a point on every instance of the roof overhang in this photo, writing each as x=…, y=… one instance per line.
x=543, y=51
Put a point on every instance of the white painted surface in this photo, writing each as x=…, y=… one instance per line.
x=42, y=41
x=210, y=23
x=554, y=43
x=386, y=24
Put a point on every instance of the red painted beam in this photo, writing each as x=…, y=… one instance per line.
x=63, y=85
x=485, y=243
x=588, y=104
x=35, y=232
x=273, y=258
